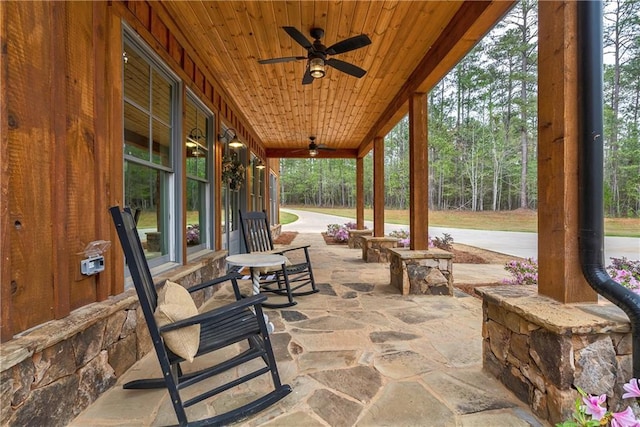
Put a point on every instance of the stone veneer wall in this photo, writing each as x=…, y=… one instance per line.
x=542, y=349
x=51, y=373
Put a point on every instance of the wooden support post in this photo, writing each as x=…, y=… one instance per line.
x=378, y=186
x=559, y=273
x=360, y=193
x=418, y=173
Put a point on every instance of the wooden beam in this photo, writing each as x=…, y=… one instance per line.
x=559, y=273
x=301, y=153
x=360, y=193
x=418, y=173
x=378, y=187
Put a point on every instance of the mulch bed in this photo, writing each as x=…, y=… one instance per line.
x=285, y=238
x=329, y=240
x=460, y=256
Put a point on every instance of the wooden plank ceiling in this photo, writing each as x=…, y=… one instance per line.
x=414, y=44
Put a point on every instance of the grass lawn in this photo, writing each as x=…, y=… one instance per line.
x=518, y=220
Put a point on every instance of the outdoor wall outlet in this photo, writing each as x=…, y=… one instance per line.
x=91, y=266
x=94, y=263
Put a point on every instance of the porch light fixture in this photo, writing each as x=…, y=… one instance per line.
x=193, y=141
x=235, y=142
x=316, y=68
x=194, y=137
x=313, y=152
x=260, y=165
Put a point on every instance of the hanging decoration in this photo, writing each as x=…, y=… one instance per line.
x=232, y=173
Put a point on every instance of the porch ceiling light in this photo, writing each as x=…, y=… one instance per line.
x=316, y=68
x=313, y=152
x=235, y=142
x=260, y=165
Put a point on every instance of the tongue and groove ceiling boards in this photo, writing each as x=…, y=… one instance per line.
x=413, y=45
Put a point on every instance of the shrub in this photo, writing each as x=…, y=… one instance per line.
x=342, y=235
x=403, y=237
x=446, y=243
x=332, y=229
x=625, y=272
x=621, y=270
x=523, y=272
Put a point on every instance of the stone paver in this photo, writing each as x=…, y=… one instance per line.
x=355, y=354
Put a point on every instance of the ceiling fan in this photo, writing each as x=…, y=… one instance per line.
x=317, y=54
x=315, y=148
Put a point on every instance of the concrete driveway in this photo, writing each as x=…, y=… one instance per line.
x=519, y=244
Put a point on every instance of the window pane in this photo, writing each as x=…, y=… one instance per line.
x=136, y=78
x=161, y=144
x=196, y=232
x=136, y=132
x=144, y=190
x=161, y=98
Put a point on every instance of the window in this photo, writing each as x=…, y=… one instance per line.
x=150, y=169
x=257, y=188
x=199, y=123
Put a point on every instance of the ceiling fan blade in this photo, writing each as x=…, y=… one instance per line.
x=307, y=78
x=351, y=43
x=278, y=60
x=298, y=37
x=325, y=147
x=345, y=67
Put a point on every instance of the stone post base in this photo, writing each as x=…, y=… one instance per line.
x=374, y=249
x=355, y=238
x=421, y=272
x=542, y=349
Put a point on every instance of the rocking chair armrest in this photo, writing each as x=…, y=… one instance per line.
x=221, y=279
x=216, y=313
x=286, y=249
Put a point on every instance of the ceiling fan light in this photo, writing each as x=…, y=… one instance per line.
x=316, y=68
x=313, y=152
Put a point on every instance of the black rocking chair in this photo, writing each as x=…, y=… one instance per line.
x=289, y=281
x=219, y=328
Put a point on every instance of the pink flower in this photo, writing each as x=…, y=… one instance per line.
x=631, y=389
x=594, y=407
x=625, y=418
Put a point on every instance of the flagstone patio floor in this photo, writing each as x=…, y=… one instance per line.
x=355, y=354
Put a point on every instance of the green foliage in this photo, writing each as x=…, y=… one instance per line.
x=483, y=129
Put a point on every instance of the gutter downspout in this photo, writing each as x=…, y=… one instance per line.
x=591, y=172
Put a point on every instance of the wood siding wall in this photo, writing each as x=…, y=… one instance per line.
x=62, y=160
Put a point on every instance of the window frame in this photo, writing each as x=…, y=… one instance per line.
x=210, y=215
x=174, y=172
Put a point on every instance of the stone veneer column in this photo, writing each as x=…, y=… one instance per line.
x=427, y=272
x=542, y=350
